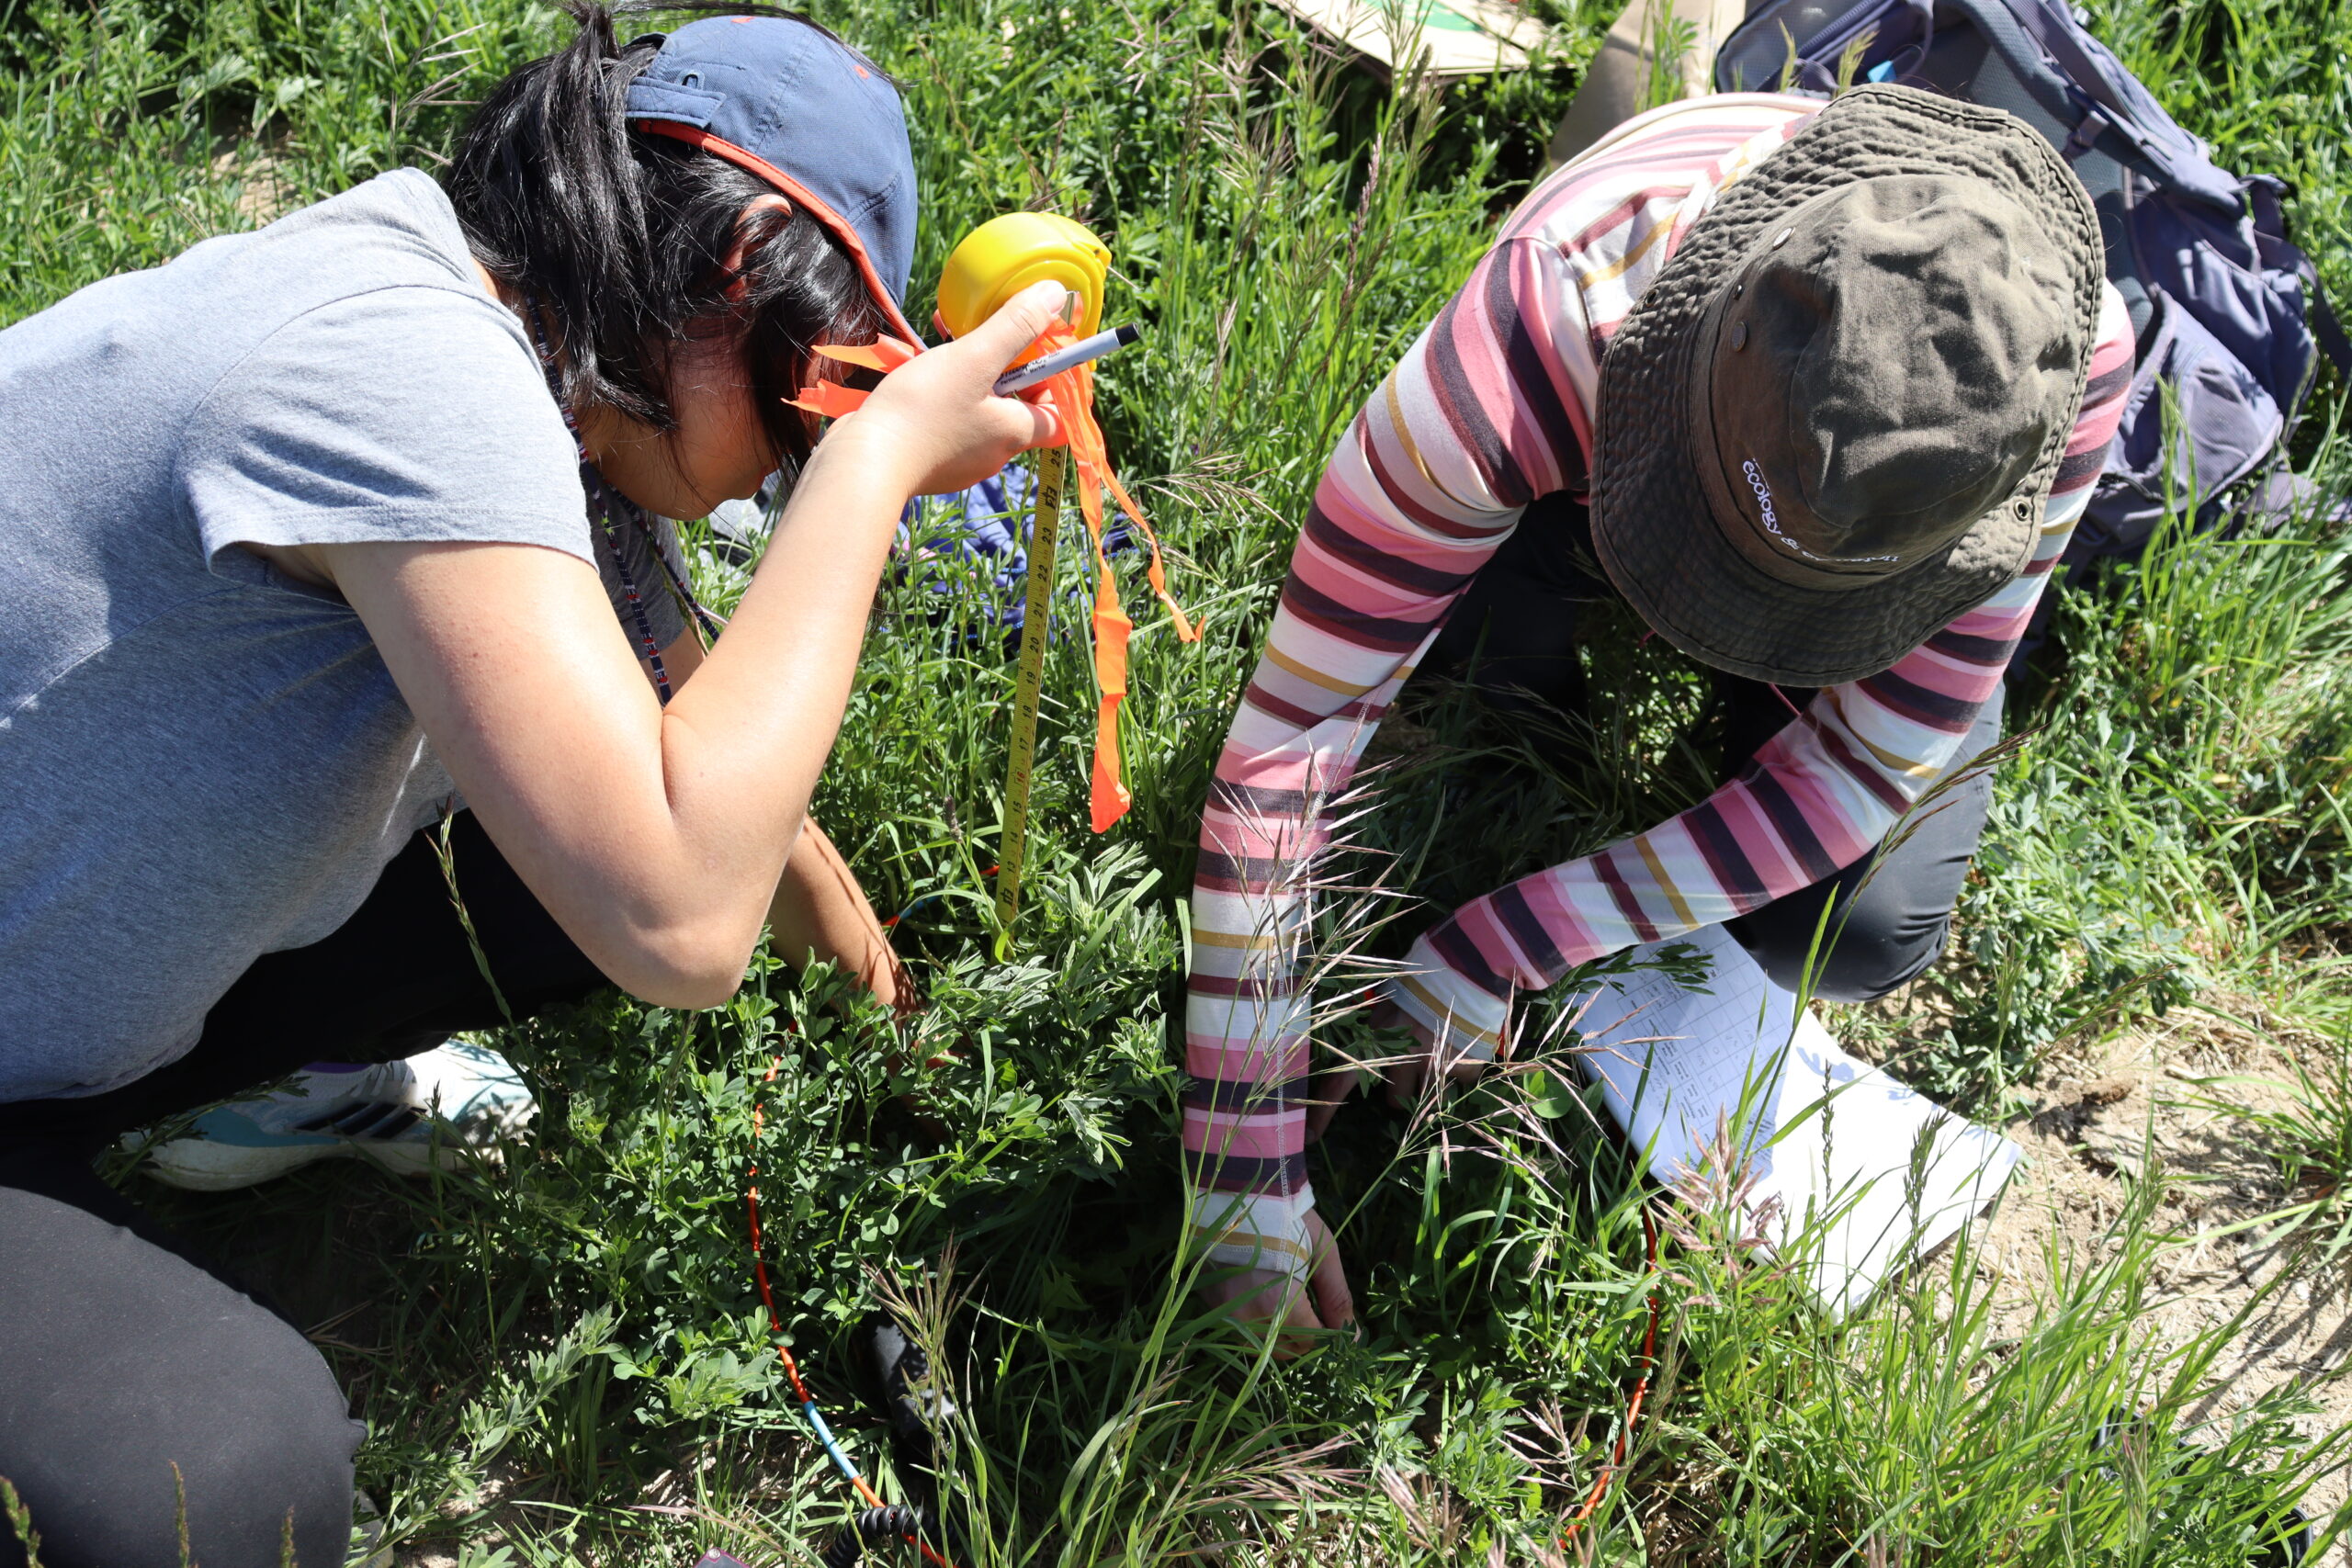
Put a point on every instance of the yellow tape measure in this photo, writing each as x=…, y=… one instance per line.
x=994, y=262
x=1028, y=686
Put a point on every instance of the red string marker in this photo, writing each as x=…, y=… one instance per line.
x=1634, y=1406
x=808, y=1411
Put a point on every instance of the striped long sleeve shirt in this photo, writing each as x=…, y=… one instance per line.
x=1490, y=409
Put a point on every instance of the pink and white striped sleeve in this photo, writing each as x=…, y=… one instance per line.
x=1820, y=796
x=1428, y=481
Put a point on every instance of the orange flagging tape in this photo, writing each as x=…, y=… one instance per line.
x=1072, y=396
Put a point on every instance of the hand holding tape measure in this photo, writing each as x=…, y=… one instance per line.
x=993, y=263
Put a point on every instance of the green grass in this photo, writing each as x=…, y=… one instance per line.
x=564, y=1359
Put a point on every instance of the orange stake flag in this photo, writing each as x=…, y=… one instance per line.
x=830, y=400
x=1072, y=396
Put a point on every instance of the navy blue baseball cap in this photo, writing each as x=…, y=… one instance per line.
x=807, y=115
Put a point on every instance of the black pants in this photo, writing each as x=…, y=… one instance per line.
x=122, y=1353
x=1513, y=637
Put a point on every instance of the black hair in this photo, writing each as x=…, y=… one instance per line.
x=618, y=239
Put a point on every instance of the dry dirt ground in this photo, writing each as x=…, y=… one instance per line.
x=2135, y=1108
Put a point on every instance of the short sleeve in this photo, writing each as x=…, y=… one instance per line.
x=413, y=414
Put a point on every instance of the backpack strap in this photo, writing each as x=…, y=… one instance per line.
x=2086, y=131
x=2112, y=98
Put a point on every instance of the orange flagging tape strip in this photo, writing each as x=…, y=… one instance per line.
x=830, y=400
x=1072, y=396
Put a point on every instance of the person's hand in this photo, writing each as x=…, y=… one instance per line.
x=1263, y=1295
x=937, y=420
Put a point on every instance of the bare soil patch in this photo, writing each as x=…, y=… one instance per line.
x=2134, y=1109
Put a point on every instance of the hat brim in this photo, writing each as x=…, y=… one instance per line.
x=1653, y=528
x=894, y=318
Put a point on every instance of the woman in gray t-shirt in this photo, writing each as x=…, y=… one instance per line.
x=316, y=533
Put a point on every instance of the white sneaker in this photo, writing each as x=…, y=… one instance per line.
x=433, y=1110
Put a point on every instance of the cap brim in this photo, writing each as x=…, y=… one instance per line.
x=835, y=225
x=1653, y=528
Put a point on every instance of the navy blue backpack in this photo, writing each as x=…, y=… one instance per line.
x=2227, y=312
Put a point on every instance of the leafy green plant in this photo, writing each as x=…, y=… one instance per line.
x=563, y=1357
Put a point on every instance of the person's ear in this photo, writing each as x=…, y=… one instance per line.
x=733, y=263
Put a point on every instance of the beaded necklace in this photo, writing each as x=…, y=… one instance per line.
x=605, y=504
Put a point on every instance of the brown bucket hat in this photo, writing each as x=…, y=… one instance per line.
x=1831, y=424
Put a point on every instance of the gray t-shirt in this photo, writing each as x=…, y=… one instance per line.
x=201, y=760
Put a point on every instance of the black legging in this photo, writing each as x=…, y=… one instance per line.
x=1513, y=635
x=122, y=1352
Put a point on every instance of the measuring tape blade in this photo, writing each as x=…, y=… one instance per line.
x=1029, y=682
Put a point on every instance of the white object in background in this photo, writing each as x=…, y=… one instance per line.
x=1452, y=38
x=1853, y=1172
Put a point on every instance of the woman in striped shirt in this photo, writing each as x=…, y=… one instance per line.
x=1823, y=389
